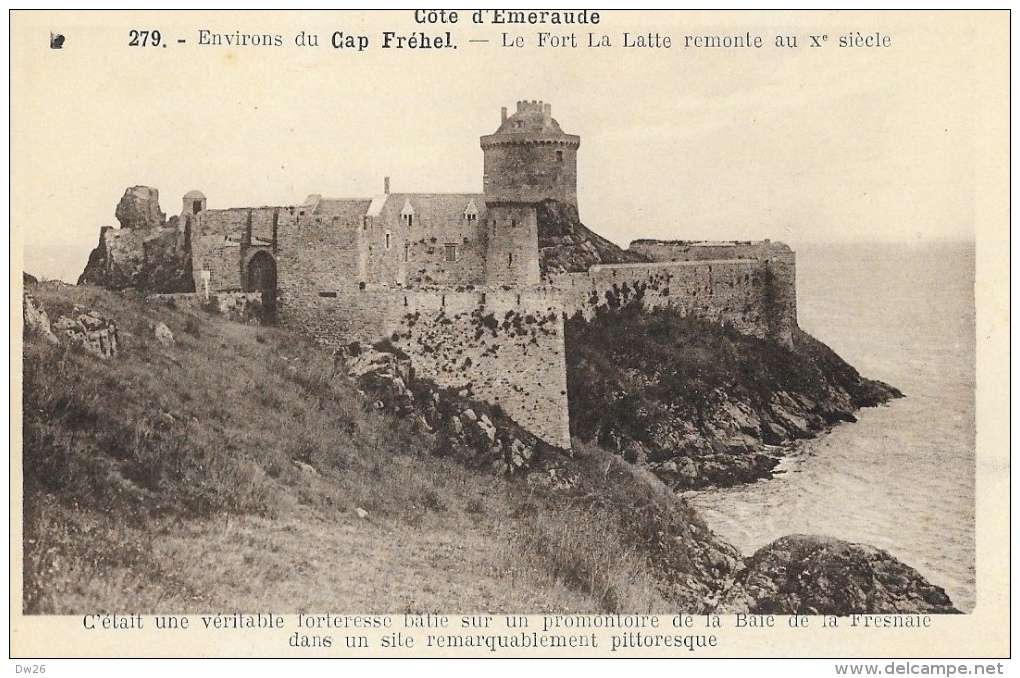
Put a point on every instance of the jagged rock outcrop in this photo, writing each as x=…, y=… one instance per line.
x=85, y=329
x=93, y=333
x=151, y=260
x=819, y=575
x=139, y=208
x=700, y=404
x=145, y=254
x=163, y=334
x=37, y=322
x=565, y=245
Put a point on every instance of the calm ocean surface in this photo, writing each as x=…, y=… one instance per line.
x=902, y=477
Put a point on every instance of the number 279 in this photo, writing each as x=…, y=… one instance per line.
x=144, y=38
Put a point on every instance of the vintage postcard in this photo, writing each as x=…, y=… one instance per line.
x=510, y=333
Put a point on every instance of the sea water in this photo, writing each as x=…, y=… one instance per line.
x=902, y=477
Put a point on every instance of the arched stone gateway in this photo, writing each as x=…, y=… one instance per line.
x=260, y=276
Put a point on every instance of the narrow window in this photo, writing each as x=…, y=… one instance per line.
x=408, y=220
x=559, y=156
x=510, y=260
x=197, y=206
x=407, y=252
x=387, y=239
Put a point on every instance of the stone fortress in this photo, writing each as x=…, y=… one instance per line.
x=473, y=287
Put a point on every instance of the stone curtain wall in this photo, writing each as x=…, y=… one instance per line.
x=781, y=295
x=216, y=247
x=314, y=257
x=777, y=261
x=505, y=348
x=731, y=292
x=365, y=316
x=691, y=250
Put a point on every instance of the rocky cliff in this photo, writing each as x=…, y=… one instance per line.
x=565, y=245
x=146, y=253
x=700, y=404
x=77, y=326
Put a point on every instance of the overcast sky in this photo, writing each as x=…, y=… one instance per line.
x=802, y=145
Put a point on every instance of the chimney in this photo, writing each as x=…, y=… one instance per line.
x=547, y=113
x=386, y=185
x=503, y=113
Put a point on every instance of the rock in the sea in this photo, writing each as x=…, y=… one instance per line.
x=802, y=574
x=139, y=208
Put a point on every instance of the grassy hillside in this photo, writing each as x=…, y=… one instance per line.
x=234, y=470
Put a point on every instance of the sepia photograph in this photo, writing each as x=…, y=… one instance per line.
x=510, y=333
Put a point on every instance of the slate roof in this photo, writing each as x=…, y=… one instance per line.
x=428, y=208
